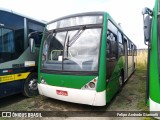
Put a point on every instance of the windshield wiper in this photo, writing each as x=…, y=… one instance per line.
x=76, y=36
x=50, y=34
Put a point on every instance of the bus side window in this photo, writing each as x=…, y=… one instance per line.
x=120, y=44
x=128, y=45
x=108, y=46
x=112, y=45
x=34, y=27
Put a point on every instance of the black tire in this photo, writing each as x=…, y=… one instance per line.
x=31, y=86
x=134, y=65
x=121, y=80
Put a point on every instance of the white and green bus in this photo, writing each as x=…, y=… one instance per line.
x=152, y=39
x=18, y=62
x=84, y=58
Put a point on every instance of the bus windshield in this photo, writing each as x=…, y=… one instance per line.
x=72, y=50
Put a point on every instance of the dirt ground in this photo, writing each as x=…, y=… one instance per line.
x=130, y=98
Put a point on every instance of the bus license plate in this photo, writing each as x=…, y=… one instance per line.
x=61, y=92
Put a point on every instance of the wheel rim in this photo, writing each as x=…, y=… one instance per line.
x=33, y=84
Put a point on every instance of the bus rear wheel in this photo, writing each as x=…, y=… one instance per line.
x=30, y=85
x=121, y=80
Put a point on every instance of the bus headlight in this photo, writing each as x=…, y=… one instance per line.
x=90, y=85
x=43, y=81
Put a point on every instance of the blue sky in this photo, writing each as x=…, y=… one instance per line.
x=126, y=12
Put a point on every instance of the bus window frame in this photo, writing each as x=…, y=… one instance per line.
x=88, y=26
x=35, y=23
x=114, y=30
x=3, y=27
x=120, y=53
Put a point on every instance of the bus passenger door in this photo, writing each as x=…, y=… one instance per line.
x=111, y=61
x=112, y=54
x=125, y=60
x=132, y=50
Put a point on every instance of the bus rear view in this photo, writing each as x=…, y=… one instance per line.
x=72, y=63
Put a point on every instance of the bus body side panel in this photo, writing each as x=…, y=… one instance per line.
x=10, y=88
x=125, y=60
x=27, y=59
x=111, y=84
x=16, y=71
x=154, y=70
x=130, y=65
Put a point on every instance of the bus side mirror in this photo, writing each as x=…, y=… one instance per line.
x=147, y=20
x=147, y=11
x=147, y=28
x=31, y=38
x=32, y=45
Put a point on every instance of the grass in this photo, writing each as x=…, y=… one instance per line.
x=142, y=59
x=141, y=70
x=141, y=88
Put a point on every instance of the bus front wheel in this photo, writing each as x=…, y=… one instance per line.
x=30, y=85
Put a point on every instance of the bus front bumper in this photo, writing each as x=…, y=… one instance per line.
x=154, y=106
x=89, y=97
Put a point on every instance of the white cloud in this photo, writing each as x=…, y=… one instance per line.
x=127, y=12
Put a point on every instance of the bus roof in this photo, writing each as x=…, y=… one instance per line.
x=87, y=14
x=91, y=14
x=24, y=16
x=78, y=14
